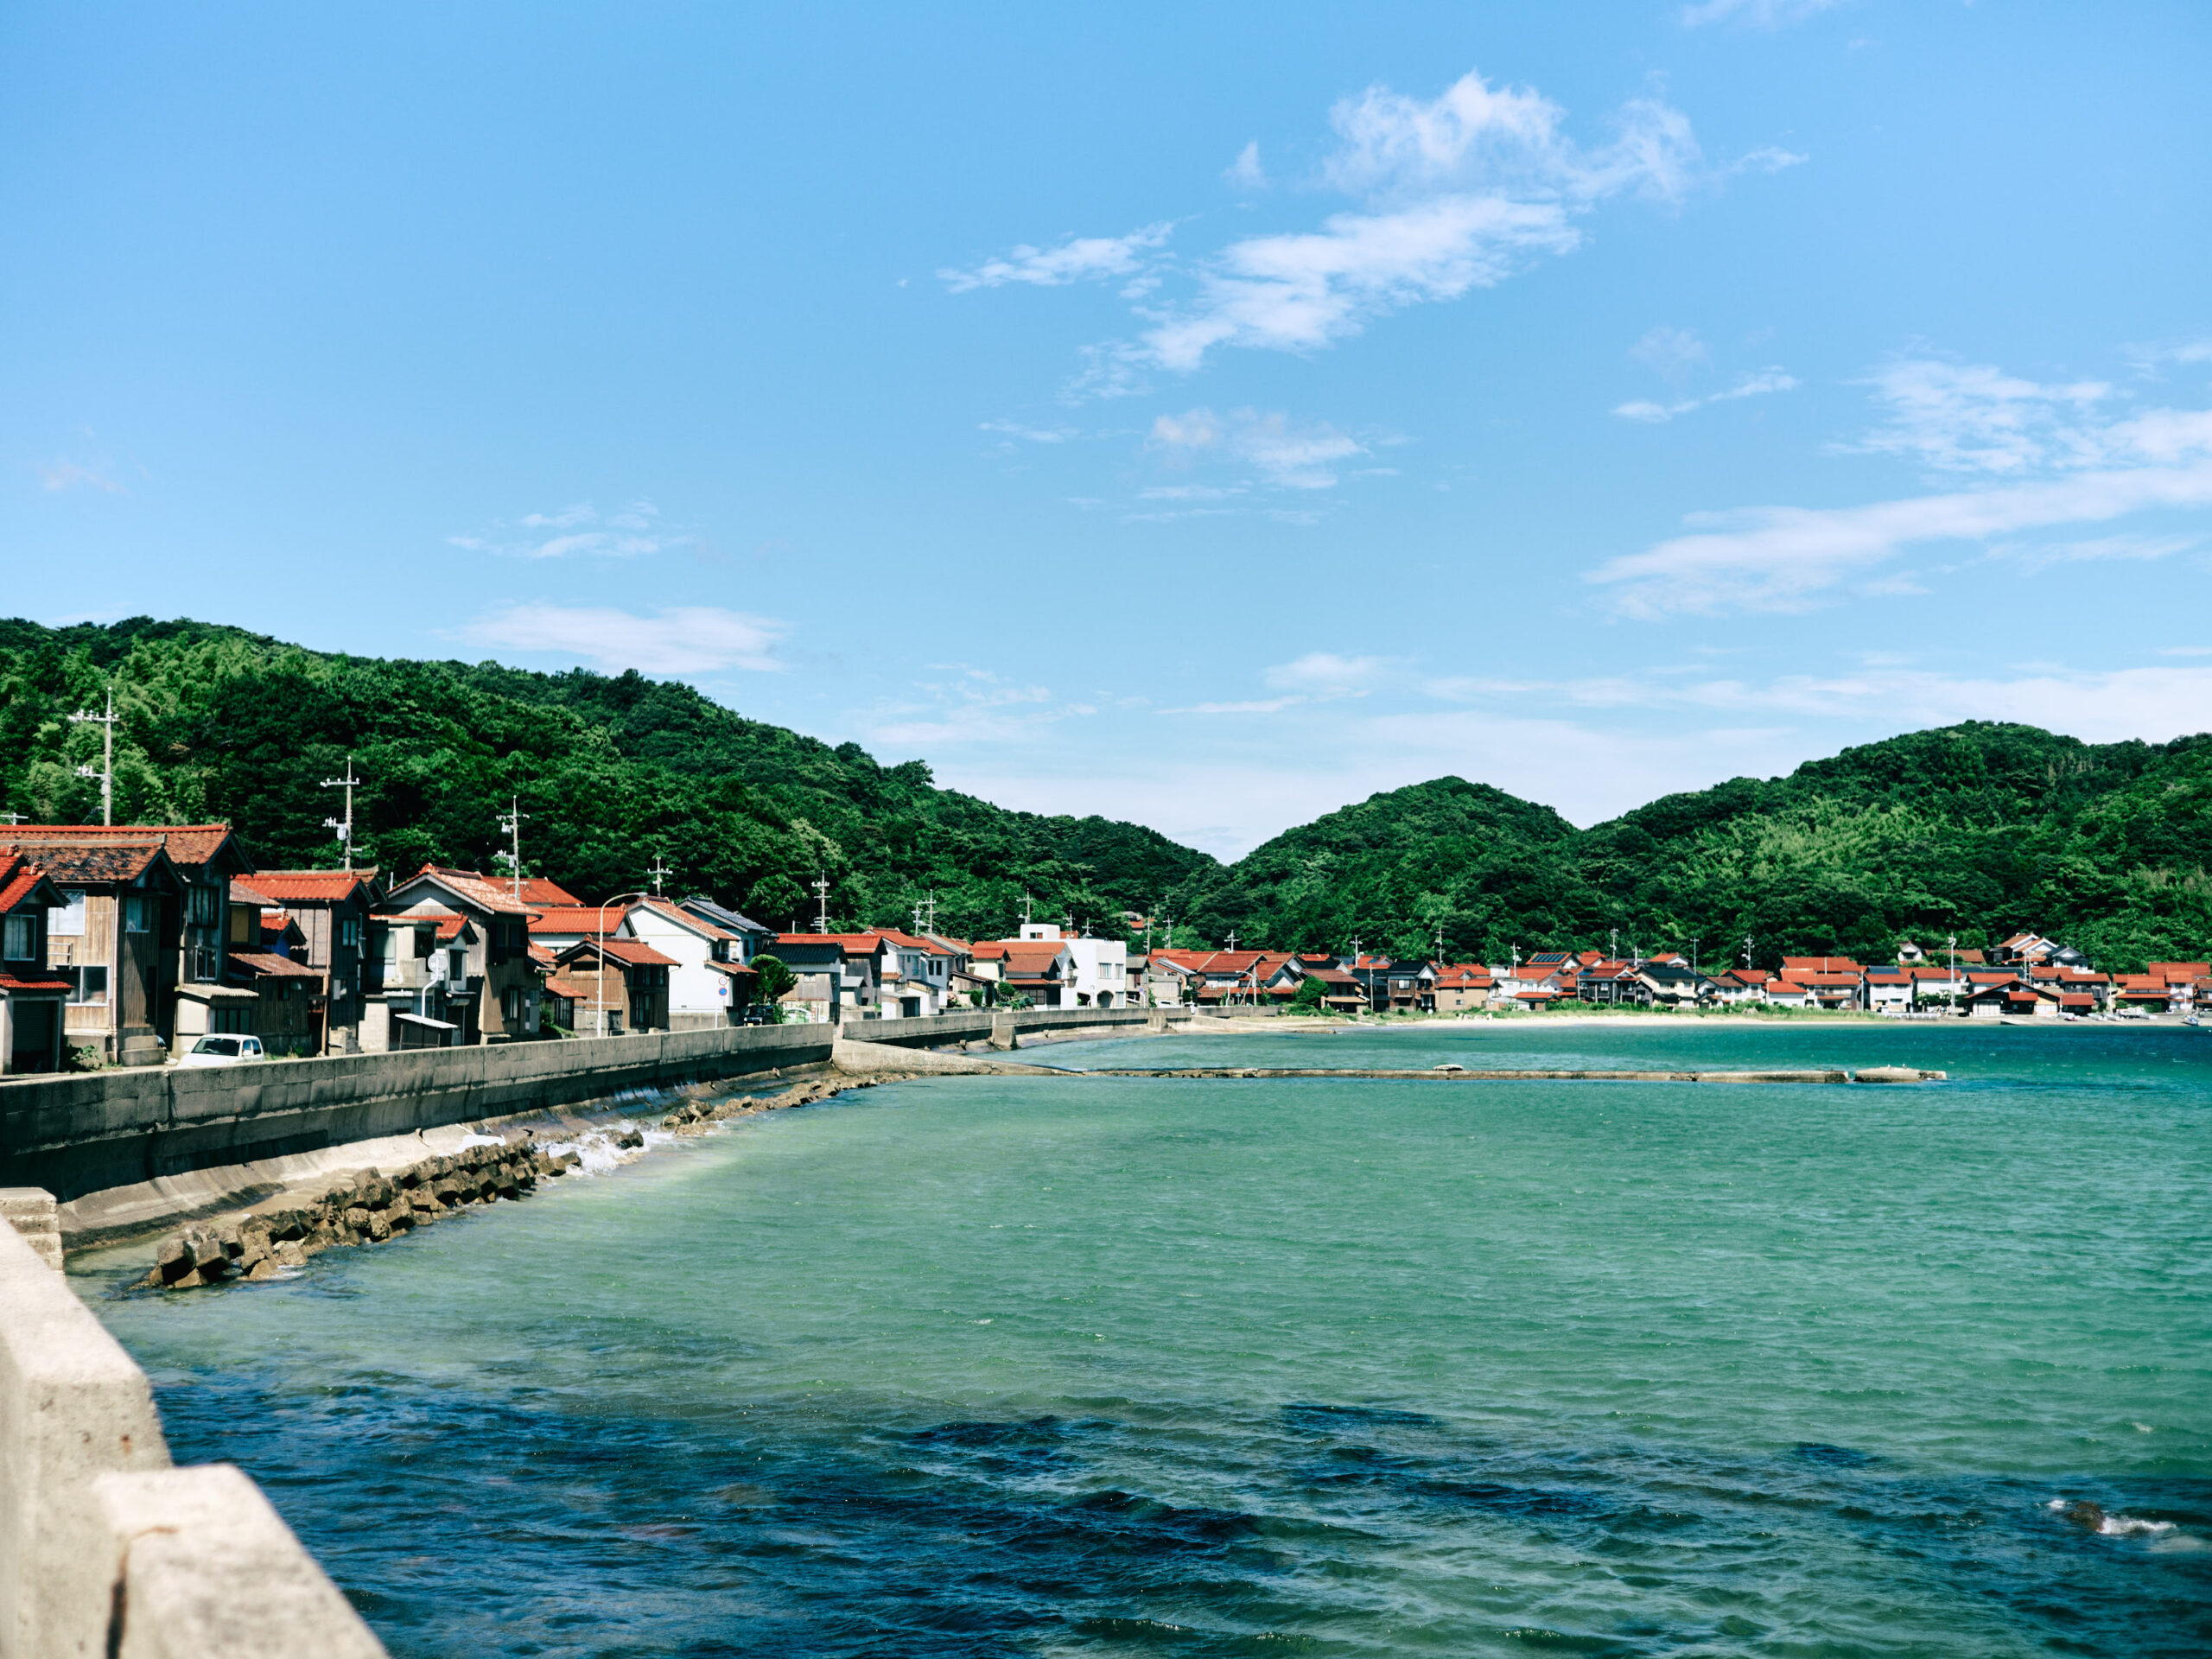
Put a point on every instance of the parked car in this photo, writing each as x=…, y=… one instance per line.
x=223, y=1051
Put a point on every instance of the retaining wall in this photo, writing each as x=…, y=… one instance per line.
x=73, y=1135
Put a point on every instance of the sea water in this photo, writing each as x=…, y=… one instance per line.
x=1133, y=1366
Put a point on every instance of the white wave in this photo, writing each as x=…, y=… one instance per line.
x=2164, y=1535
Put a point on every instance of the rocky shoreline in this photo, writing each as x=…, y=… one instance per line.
x=373, y=1207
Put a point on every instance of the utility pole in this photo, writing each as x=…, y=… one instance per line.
x=1439, y=945
x=658, y=872
x=107, y=772
x=344, y=826
x=1025, y=910
x=1747, y=949
x=821, y=904
x=12, y=818
x=1232, y=941
x=512, y=824
x=1693, y=938
x=1613, y=944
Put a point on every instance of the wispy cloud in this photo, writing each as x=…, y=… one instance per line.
x=1753, y=386
x=1082, y=258
x=1974, y=417
x=1450, y=195
x=1952, y=419
x=964, y=705
x=1245, y=172
x=1318, y=676
x=1755, y=14
x=59, y=476
x=1670, y=351
x=1014, y=430
x=578, y=531
x=1283, y=452
x=681, y=640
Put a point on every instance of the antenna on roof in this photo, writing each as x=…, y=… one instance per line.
x=512, y=824
x=658, y=872
x=344, y=826
x=107, y=772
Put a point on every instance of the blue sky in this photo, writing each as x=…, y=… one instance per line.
x=1205, y=415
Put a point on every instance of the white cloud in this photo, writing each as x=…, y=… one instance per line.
x=1671, y=352
x=76, y=476
x=683, y=641
x=579, y=531
x=969, y=706
x=1754, y=385
x=1283, y=452
x=1759, y=14
x=1959, y=419
x=1078, y=259
x=1245, y=172
x=1325, y=674
x=1972, y=418
x=1784, y=558
x=1031, y=434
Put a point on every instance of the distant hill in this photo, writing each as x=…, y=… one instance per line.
x=612, y=772
x=1979, y=830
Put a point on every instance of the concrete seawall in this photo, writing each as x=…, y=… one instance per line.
x=105, y=1547
x=83, y=1133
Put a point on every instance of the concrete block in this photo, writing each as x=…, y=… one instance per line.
x=72, y=1407
x=32, y=1211
x=203, y=1568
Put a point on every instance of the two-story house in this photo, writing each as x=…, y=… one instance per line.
x=331, y=908
x=32, y=995
x=112, y=937
x=492, y=987
x=752, y=938
x=710, y=984
x=627, y=981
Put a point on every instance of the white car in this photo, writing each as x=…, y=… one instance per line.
x=223, y=1051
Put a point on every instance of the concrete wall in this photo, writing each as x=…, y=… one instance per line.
x=89, y=1132
x=104, y=1548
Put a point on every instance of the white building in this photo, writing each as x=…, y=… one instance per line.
x=710, y=983
x=1099, y=969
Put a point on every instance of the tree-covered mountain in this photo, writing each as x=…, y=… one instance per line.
x=611, y=773
x=1977, y=830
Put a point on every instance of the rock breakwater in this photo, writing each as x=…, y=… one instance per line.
x=368, y=1207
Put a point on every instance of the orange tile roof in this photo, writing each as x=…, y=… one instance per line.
x=30, y=983
x=636, y=952
x=19, y=878
x=474, y=886
x=537, y=890
x=307, y=886
x=186, y=843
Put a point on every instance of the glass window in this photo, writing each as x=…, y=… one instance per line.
x=457, y=966
x=70, y=917
x=87, y=986
x=349, y=930
x=22, y=938
x=138, y=913
x=216, y=1046
x=205, y=903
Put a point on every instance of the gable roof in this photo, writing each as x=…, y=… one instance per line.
x=636, y=953
x=189, y=846
x=308, y=886
x=23, y=882
x=723, y=916
x=538, y=890
x=578, y=919
x=267, y=964
x=97, y=862
x=470, y=887
x=1820, y=965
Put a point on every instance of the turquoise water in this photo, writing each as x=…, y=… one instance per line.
x=1115, y=1366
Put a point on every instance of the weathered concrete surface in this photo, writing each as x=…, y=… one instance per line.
x=203, y=1566
x=95, y=1525
x=32, y=1212
x=73, y=1406
x=866, y=1059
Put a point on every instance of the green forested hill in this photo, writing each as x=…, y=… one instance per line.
x=1977, y=829
x=220, y=723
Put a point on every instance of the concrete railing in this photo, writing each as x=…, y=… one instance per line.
x=106, y=1549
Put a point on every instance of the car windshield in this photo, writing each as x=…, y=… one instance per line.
x=216, y=1046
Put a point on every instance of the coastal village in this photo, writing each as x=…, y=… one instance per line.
x=137, y=945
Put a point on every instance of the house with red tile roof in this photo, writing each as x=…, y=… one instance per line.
x=190, y=996
x=330, y=909
x=2015, y=997
x=1462, y=986
x=113, y=938
x=492, y=987
x=710, y=984
x=32, y=996
x=629, y=982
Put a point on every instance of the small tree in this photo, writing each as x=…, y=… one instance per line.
x=1308, y=997
x=776, y=981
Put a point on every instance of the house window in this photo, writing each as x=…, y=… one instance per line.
x=139, y=914
x=206, y=964
x=236, y=1021
x=22, y=938
x=68, y=918
x=457, y=969
x=205, y=905
x=510, y=1003
x=349, y=930
x=87, y=986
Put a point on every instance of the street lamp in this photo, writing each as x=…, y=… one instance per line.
x=599, y=972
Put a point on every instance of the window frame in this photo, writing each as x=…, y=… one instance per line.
x=23, y=926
